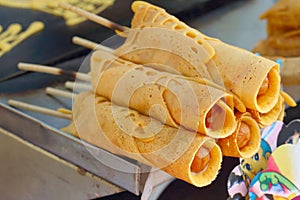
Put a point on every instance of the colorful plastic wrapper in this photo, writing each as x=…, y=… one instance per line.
x=274, y=171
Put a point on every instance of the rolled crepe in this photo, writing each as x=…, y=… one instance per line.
x=240, y=71
x=166, y=50
x=244, y=74
x=282, y=17
x=266, y=119
x=283, y=22
x=245, y=141
x=172, y=99
x=136, y=136
x=287, y=44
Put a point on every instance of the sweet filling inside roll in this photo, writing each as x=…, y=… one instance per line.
x=201, y=160
x=215, y=118
x=264, y=87
x=243, y=135
x=269, y=89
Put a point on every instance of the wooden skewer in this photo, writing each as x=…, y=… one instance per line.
x=80, y=86
x=58, y=92
x=39, y=109
x=84, y=42
x=53, y=70
x=90, y=44
x=93, y=17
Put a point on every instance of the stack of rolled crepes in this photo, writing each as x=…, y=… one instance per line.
x=283, y=30
x=176, y=99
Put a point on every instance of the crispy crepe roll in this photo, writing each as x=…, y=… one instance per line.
x=192, y=51
x=254, y=79
x=283, y=28
x=165, y=56
x=245, y=141
x=282, y=17
x=266, y=119
x=172, y=99
x=146, y=15
x=170, y=52
x=240, y=71
x=186, y=155
x=286, y=44
x=85, y=126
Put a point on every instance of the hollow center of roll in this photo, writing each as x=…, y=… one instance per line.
x=243, y=135
x=264, y=86
x=215, y=118
x=201, y=160
x=267, y=95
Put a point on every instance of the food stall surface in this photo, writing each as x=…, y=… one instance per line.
x=57, y=165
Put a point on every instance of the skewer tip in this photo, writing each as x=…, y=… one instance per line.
x=11, y=102
x=64, y=5
x=21, y=65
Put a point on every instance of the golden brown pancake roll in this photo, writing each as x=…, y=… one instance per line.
x=167, y=50
x=254, y=79
x=282, y=17
x=186, y=155
x=240, y=71
x=283, y=30
x=172, y=99
x=266, y=119
x=245, y=141
x=287, y=44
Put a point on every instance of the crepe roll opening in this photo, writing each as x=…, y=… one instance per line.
x=201, y=160
x=205, y=164
x=220, y=120
x=267, y=94
x=264, y=87
x=266, y=119
x=248, y=137
x=243, y=135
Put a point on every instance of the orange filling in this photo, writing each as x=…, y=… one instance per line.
x=200, y=161
x=243, y=135
x=215, y=118
x=264, y=87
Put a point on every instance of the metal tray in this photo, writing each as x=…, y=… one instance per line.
x=44, y=132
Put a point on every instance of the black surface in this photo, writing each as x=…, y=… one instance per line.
x=34, y=80
x=292, y=113
x=54, y=43
x=186, y=10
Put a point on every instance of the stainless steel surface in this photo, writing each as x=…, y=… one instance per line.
x=29, y=172
x=34, y=141
x=43, y=131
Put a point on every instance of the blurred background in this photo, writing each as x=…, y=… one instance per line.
x=233, y=21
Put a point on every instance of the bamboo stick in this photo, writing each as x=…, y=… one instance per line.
x=52, y=70
x=58, y=92
x=90, y=44
x=84, y=42
x=93, y=17
x=39, y=109
x=75, y=85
